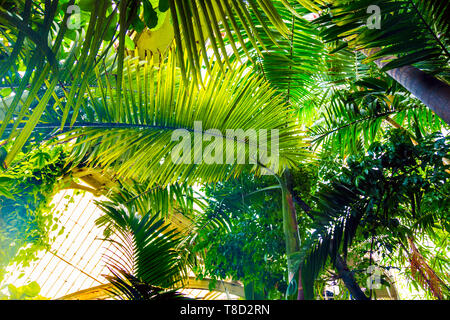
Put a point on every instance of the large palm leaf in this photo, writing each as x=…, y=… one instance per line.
x=19, y=30
x=145, y=247
x=301, y=66
x=292, y=64
x=150, y=255
x=134, y=137
x=174, y=199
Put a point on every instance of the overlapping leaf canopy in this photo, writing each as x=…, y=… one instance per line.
x=135, y=137
x=293, y=66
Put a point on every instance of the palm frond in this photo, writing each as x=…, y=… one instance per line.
x=43, y=69
x=424, y=46
x=156, y=102
x=314, y=5
x=180, y=199
x=35, y=72
x=128, y=287
x=426, y=276
x=353, y=119
x=195, y=22
x=291, y=65
x=335, y=222
x=348, y=125
x=144, y=246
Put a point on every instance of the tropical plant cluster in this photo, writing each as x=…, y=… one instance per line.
x=354, y=93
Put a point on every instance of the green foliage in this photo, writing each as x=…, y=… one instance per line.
x=247, y=64
x=26, y=292
x=149, y=256
x=356, y=116
x=425, y=45
x=222, y=22
x=128, y=287
x=394, y=191
x=153, y=13
x=114, y=134
x=34, y=46
x=241, y=235
x=25, y=212
x=144, y=238
x=295, y=63
x=139, y=198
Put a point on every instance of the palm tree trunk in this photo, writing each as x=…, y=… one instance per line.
x=290, y=227
x=434, y=93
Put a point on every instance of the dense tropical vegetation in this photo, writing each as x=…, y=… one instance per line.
x=353, y=95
